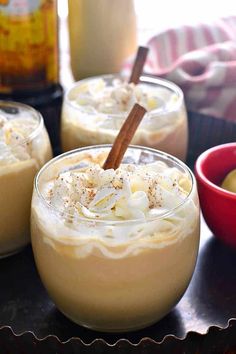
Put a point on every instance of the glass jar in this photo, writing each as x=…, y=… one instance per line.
x=28, y=46
x=102, y=35
x=114, y=275
x=88, y=117
x=24, y=148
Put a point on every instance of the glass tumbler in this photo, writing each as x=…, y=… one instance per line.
x=24, y=148
x=89, y=117
x=114, y=275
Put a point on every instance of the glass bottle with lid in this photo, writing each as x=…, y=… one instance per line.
x=28, y=45
x=102, y=34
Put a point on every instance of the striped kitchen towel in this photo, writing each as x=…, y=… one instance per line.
x=201, y=59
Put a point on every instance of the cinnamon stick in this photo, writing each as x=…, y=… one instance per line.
x=124, y=137
x=138, y=65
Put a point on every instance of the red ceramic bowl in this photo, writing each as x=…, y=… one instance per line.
x=218, y=205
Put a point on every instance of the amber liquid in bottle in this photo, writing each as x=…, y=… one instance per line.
x=28, y=45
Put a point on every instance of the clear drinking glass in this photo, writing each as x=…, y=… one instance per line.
x=114, y=275
x=164, y=127
x=24, y=148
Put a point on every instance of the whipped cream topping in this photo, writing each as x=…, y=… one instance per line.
x=97, y=96
x=132, y=192
x=116, y=213
x=13, y=134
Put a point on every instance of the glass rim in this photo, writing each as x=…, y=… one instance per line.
x=35, y=113
x=115, y=222
x=144, y=79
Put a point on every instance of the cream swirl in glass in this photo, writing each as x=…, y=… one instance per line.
x=24, y=148
x=115, y=249
x=94, y=109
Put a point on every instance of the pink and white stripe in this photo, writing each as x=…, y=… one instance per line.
x=200, y=59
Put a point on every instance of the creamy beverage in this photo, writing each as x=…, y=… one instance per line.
x=24, y=148
x=94, y=110
x=115, y=249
